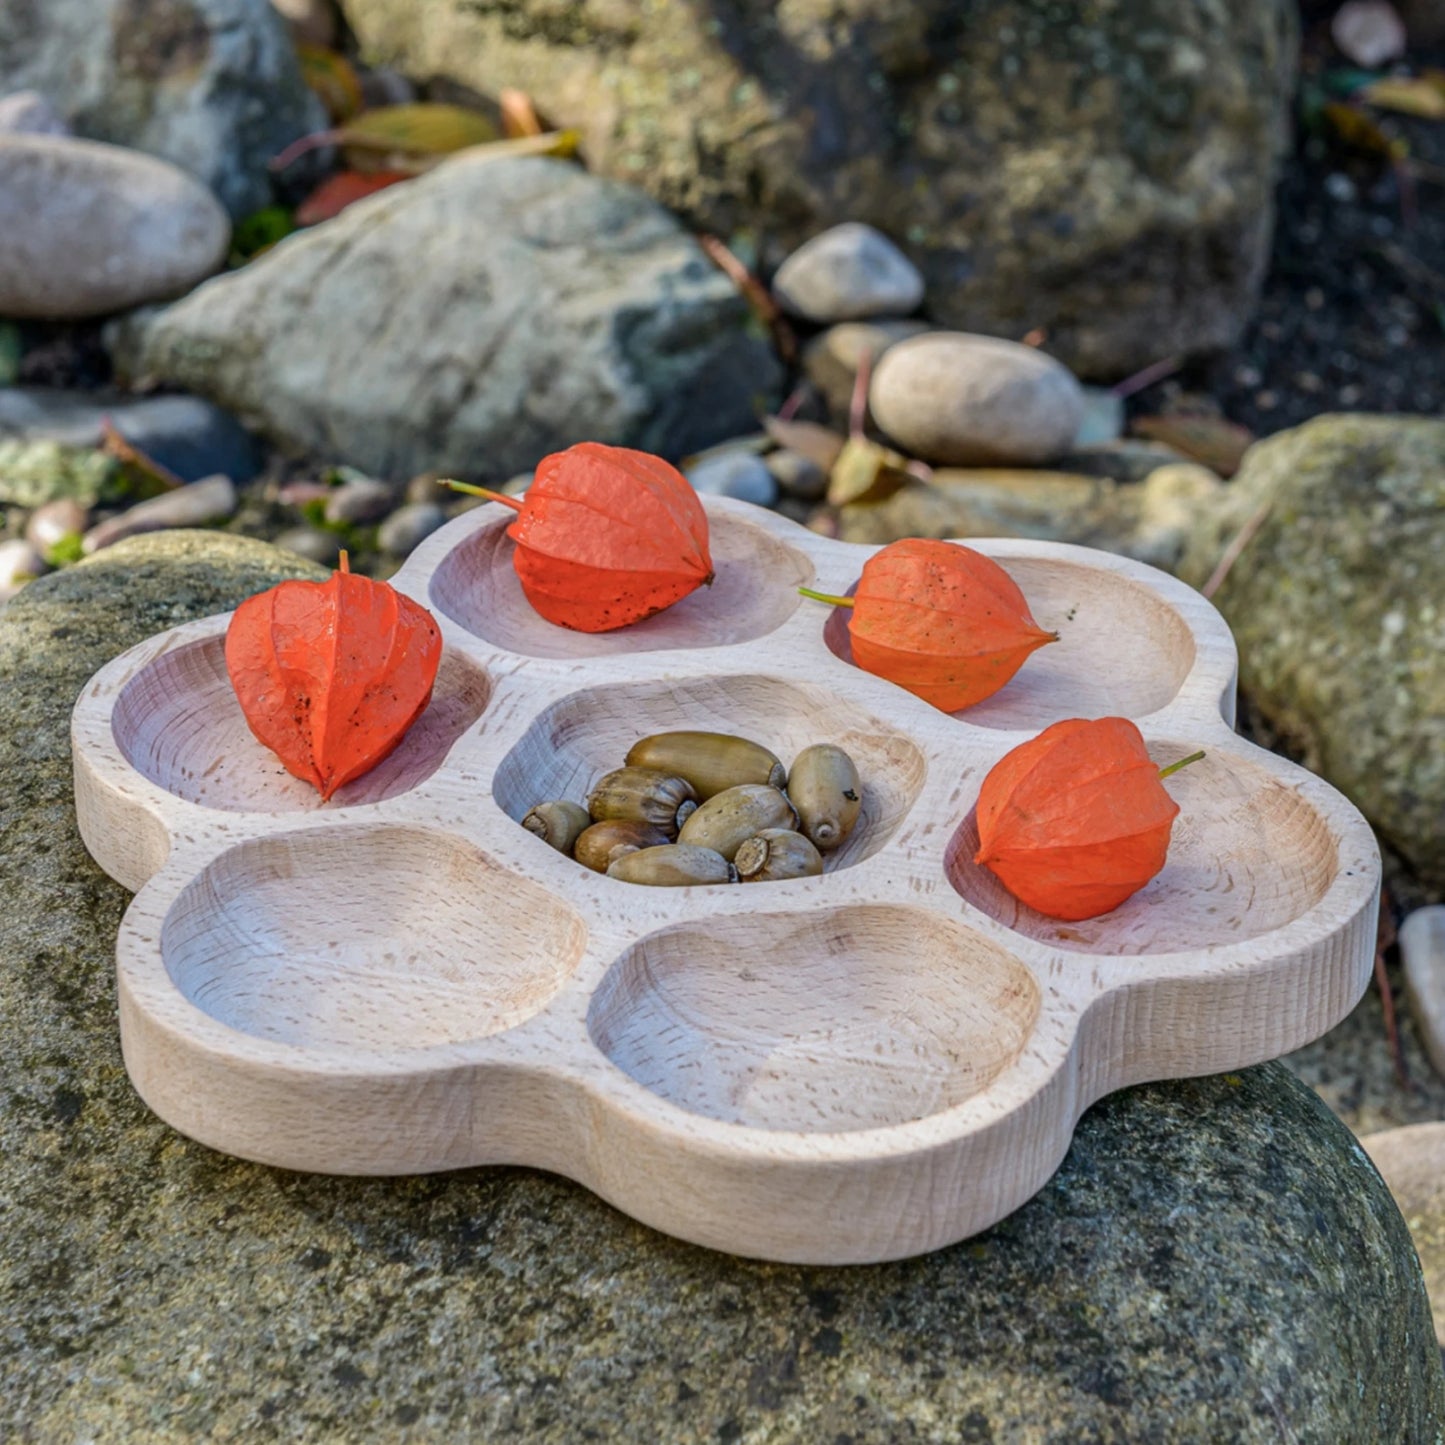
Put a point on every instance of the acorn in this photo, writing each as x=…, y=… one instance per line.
x=711, y=762
x=824, y=788
x=775, y=854
x=729, y=818
x=673, y=865
x=646, y=795
x=558, y=823
x=605, y=842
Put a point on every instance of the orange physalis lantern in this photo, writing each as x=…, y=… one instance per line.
x=1077, y=820
x=941, y=620
x=605, y=537
x=330, y=675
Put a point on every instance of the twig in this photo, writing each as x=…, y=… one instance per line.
x=793, y=404
x=1155, y=371
x=115, y=445
x=858, y=402
x=757, y=295
x=1240, y=541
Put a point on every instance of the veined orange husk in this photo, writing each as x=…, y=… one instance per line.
x=1076, y=820
x=330, y=675
x=943, y=621
x=607, y=536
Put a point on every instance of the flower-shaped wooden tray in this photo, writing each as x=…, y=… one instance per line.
x=861, y=1066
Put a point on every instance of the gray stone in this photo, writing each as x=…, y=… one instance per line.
x=211, y=85
x=35, y=472
x=1412, y=1162
x=1213, y=1257
x=212, y=499
x=90, y=228
x=1129, y=459
x=831, y=360
x=20, y=564
x=408, y=527
x=960, y=400
x=312, y=544
x=358, y=502
x=737, y=474
x=797, y=475
x=1104, y=171
x=186, y=435
x=1103, y=419
x=1422, y=960
x=54, y=521
x=27, y=112
x=1338, y=606
x=848, y=273
x=553, y=307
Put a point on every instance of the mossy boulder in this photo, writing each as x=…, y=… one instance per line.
x=1338, y=606
x=1215, y=1260
x=1101, y=170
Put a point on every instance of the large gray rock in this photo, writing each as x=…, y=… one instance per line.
x=473, y=321
x=212, y=85
x=1215, y=1260
x=1338, y=605
x=1104, y=171
x=91, y=228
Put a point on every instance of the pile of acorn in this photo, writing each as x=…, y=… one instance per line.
x=694, y=807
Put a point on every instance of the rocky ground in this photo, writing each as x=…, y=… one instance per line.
x=1072, y=315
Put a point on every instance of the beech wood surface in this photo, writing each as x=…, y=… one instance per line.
x=860, y=1066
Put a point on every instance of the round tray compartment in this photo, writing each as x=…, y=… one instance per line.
x=367, y=938
x=837, y=1019
x=1247, y=855
x=1123, y=651
x=178, y=723
x=754, y=592
x=579, y=738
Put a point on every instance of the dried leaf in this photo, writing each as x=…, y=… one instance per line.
x=336, y=193
x=333, y=79
x=866, y=473
x=1369, y=32
x=1351, y=126
x=1422, y=96
x=1219, y=444
x=143, y=476
x=559, y=143
x=606, y=537
x=820, y=445
x=330, y=675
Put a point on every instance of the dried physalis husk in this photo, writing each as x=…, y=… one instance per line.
x=1077, y=820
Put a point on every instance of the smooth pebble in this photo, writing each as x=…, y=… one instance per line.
x=955, y=399
x=90, y=228
x=409, y=526
x=54, y=521
x=212, y=499
x=311, y=543
x=740, y=475
x=19, y=563
x=27, y=112
x=847, y=273
x=359, y=502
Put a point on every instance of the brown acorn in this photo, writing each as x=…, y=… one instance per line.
x=646, y=795
x=603, y=843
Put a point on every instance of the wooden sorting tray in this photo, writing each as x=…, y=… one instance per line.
x=856, y=1067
